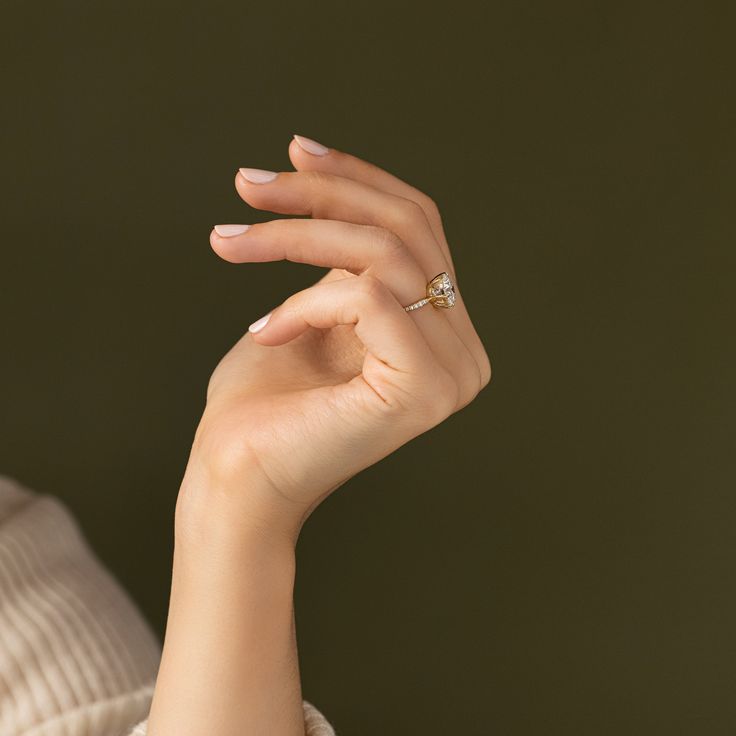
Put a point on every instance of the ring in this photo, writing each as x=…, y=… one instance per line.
x=440, y=293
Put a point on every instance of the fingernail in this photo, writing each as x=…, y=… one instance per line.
x=259, y=324
x=311, y=146
x=258, y=176
x=228, y=231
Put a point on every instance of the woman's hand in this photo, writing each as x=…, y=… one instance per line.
x=338, y=375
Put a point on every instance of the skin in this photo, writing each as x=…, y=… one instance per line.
x=339, y=377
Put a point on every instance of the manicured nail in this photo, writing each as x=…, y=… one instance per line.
x=311, y=146
x=228, y=231
x=258, y=176
x=259, y=324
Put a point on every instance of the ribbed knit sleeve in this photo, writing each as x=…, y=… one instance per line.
x=77, y=657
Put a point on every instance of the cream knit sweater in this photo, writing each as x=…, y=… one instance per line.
x=76, y=656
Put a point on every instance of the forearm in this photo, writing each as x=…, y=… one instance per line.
x=229, y=663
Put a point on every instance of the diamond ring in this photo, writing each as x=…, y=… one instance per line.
x=440, y=293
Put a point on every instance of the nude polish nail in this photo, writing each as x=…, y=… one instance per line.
x=259, y=324
x=258, y=176
x=229, y=231
x=310, y=146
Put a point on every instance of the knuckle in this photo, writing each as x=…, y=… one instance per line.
x=391, y=246
x=319, y=191
x=441, y=397
x=318, y=180
x=486, y=370
x=428, y=205
x=476, y=373
x=447, y=396
x=412, y=213
x=386, y=239
x=470, y=384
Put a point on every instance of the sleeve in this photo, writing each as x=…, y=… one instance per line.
x=315, y=723
x=77, y=658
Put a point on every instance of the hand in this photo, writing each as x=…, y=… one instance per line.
x=339, y=375
x=336, y=378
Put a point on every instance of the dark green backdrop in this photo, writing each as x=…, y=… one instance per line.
x=557, y=558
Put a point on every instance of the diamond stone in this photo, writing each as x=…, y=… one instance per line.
x=441, y=286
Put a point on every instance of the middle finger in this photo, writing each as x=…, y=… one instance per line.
x=331, y=197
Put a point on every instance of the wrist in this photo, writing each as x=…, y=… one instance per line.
x=213, y=509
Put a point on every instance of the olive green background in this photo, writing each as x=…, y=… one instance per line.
x=558, y=557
